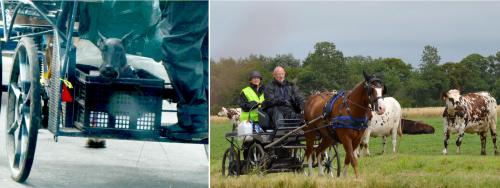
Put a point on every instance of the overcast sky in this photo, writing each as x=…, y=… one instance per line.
x=377, y=29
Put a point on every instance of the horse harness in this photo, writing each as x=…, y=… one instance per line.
x=345, y=121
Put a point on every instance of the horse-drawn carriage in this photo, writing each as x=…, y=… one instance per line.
x=55, y=83
x=270, y=150
x=329, y=119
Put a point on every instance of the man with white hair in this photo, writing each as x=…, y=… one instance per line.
x=282, y=98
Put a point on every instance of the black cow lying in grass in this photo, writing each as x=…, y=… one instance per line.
x=416, y=127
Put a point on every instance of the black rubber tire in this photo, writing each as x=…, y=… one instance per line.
x=332, y=162
x=230, y=163
x=20, y=162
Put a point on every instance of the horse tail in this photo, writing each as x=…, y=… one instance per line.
x=400, y=131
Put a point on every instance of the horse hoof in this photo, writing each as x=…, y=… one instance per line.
x=96, y=143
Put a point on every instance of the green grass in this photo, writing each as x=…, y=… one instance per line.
x=418, y=163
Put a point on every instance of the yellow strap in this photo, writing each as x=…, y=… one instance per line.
x=67, y=83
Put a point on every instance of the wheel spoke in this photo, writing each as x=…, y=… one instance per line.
x=16, y=90
x=27, y=122
x=18, y=148
x=24, y=69
x=13, y=127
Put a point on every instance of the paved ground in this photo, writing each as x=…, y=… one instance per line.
x=68, y=163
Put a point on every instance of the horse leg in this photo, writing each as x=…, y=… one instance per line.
x=394, y=139
x=365, y=143
x=349, y=158
x=384, y=140
x=347, y=161
x=354, y=160
x=310, y=137
x=325, y=143
x=459, y=139
x=483, y=142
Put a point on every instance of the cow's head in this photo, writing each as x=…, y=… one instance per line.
x=223, y=112
x=113, y=55
x=453, y=101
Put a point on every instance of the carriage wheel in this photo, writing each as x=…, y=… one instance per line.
x=23, y=110
x=257, y=158
x=331, y=162
x=230, y=163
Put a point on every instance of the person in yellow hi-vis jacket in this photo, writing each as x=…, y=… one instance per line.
x=251, y=98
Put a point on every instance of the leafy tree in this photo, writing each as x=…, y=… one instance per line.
x=433, y=77
x=325, y=67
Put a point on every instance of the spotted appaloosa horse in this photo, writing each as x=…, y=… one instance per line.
x=386, y=124
x=470, y=113
x=355, y=104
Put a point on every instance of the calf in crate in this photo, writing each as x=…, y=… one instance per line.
x=114, y=65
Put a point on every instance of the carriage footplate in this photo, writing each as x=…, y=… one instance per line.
x=175, y=132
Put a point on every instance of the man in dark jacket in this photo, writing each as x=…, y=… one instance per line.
x=282, y=98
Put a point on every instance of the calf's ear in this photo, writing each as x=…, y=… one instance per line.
x=384, y=91
x=444, y=95
x=100, y=41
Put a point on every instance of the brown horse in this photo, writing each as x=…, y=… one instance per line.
x=355, y=104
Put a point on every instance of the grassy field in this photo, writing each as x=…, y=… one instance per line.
x=418, y=163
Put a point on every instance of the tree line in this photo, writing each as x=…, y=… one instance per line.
x=326, y=68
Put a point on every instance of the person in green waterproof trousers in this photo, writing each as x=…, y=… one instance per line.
x=184, y=29
x=251, y=98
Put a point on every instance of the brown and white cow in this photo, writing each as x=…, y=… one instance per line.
x=232, y=114
x=469, y=113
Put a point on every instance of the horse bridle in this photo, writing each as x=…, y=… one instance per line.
x=367, y=87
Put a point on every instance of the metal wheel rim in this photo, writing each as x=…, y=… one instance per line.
x=18, y=112
x=256, y=156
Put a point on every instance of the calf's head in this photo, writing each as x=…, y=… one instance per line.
x=113, y=55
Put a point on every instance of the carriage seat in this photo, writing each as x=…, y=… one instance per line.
x=87, y=53
x=292, y=120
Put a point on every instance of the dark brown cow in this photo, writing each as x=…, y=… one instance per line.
x=416, y=127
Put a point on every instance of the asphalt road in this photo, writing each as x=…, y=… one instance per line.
x=67, y=163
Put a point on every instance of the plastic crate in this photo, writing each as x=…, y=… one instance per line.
x=118, y=108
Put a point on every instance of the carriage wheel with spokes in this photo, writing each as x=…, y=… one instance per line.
x=23, y=109
x=331, y=162
x=257, y=158
x=230, y=163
